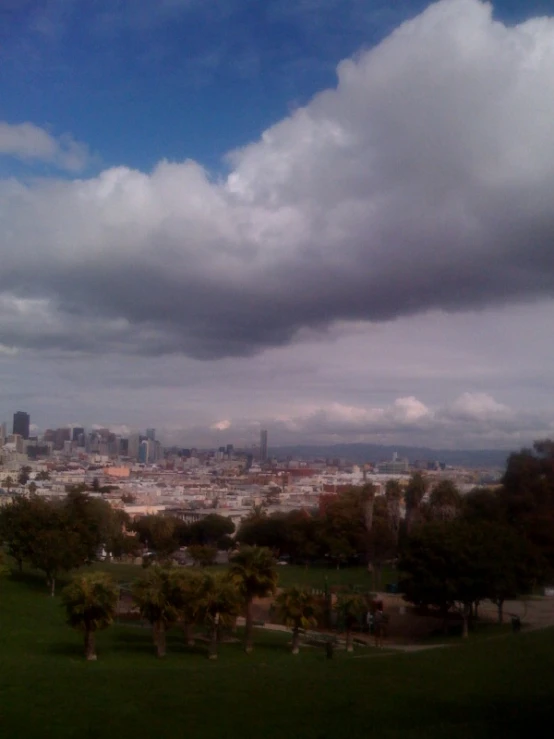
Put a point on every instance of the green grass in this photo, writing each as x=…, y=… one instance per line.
x=314, y=577
x=500, y=687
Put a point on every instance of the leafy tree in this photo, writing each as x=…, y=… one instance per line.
x=90, y=601
x=32, y=488
x=382, y=544
x=219, y=606
x=298, y=608
x=253, y=571
x=153, y=593
x=527, y=498
x=351, y=607
x=210, y=529
x=344, y=526
x=482, y=504
x=202, y=555
x=16, y=528
x=8, y=483
x=445, y=502
x=42, y=475
x=4, y=569
x=159, y=533
x=23, y=477
x=458, y=564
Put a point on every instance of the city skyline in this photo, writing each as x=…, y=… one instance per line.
x=333, y=224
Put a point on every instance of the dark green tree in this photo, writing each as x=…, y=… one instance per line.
x=253, y=572
x=90, y=601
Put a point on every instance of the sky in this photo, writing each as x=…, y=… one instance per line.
x=328, y=218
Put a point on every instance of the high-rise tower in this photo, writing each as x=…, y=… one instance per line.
x=21, y=424
x=263, y=445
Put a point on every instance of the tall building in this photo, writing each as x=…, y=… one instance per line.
x=21, y=423
x=263, y=445
x=151, y=434
x=77, y=432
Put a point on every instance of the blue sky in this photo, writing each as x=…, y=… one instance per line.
x=143, y=80
x=359, y=267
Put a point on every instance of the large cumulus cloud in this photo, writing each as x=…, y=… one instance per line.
x=424, y=180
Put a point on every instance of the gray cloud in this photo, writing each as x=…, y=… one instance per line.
x=423, y=181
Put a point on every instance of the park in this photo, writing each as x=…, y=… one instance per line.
x=483, y=687
x=474, y=567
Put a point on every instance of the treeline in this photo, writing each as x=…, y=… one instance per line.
x=58, y=536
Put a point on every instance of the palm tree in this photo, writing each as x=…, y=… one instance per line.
x=352, y=607
x=298, y=608
x=90, y=602
x=153, y=594
x=186, y=596
x=393, y=496
x=254, y=574
x=219, y=605
x=415, y=492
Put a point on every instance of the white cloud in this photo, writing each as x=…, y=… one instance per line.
x=28, y=142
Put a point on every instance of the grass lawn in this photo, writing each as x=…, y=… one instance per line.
x=502, y=687
x=314, y=577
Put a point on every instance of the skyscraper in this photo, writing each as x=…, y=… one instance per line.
x=263, y=445
x=21, y=423
x=151, y=434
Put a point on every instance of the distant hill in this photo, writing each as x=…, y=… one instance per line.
x=360, y=453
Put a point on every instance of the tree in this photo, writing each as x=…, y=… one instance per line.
x=253, y=572
x=16, y=529
x=23, y=477
x=90, y=601
x=32, y=488
x=202, y=555
x=445, y=501
x=159, y=533
x=8, y=483
x=382, y=543
x=351, y=607
x=210, y=529
x=393, y=496
x=415, y=492
x=457, y=564
x=298, y=608
x=154, y=595
x=219, y=605
x=42, y=475
x=186, y=596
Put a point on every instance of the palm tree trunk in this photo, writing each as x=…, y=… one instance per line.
x=52, y=586
x=160, y=642
x=213, y=643
x=349, y=642
x=248, y=628
x=500, y=606
x=90, y=649
x=295, y=640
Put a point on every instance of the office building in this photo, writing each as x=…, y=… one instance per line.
x=151, y=434
x=21, y=423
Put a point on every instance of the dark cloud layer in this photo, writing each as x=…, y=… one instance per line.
x=423, y=181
